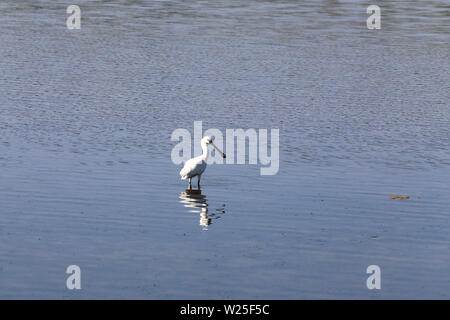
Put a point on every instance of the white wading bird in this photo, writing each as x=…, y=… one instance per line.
x=196, y=166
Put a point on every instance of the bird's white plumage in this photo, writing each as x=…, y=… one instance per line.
x=193, y=167
x=196, y=166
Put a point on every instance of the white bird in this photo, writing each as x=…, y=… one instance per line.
x=196, y=166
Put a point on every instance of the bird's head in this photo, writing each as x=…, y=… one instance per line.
x=208, y=140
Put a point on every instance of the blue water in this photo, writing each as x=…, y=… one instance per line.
x=86, y=176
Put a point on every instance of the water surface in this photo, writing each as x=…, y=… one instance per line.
x=86, y=176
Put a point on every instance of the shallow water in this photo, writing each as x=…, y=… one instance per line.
x=86, y=176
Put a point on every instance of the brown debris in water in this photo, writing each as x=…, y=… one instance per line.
x=399, y=197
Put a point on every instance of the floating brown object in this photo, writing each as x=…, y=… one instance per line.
x=399, y=197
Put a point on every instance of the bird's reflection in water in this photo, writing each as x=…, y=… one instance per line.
x=196, y=202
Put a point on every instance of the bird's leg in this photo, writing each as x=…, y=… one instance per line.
x=189, y=185
x=198, y=183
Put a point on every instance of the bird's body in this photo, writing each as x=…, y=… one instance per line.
x=196, y=166
x=193, y=167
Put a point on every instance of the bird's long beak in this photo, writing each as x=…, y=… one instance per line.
x=218, y=150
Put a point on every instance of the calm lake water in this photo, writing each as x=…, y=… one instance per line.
x=86, y=176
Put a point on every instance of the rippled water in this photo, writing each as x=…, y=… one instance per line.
x=86, y=176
